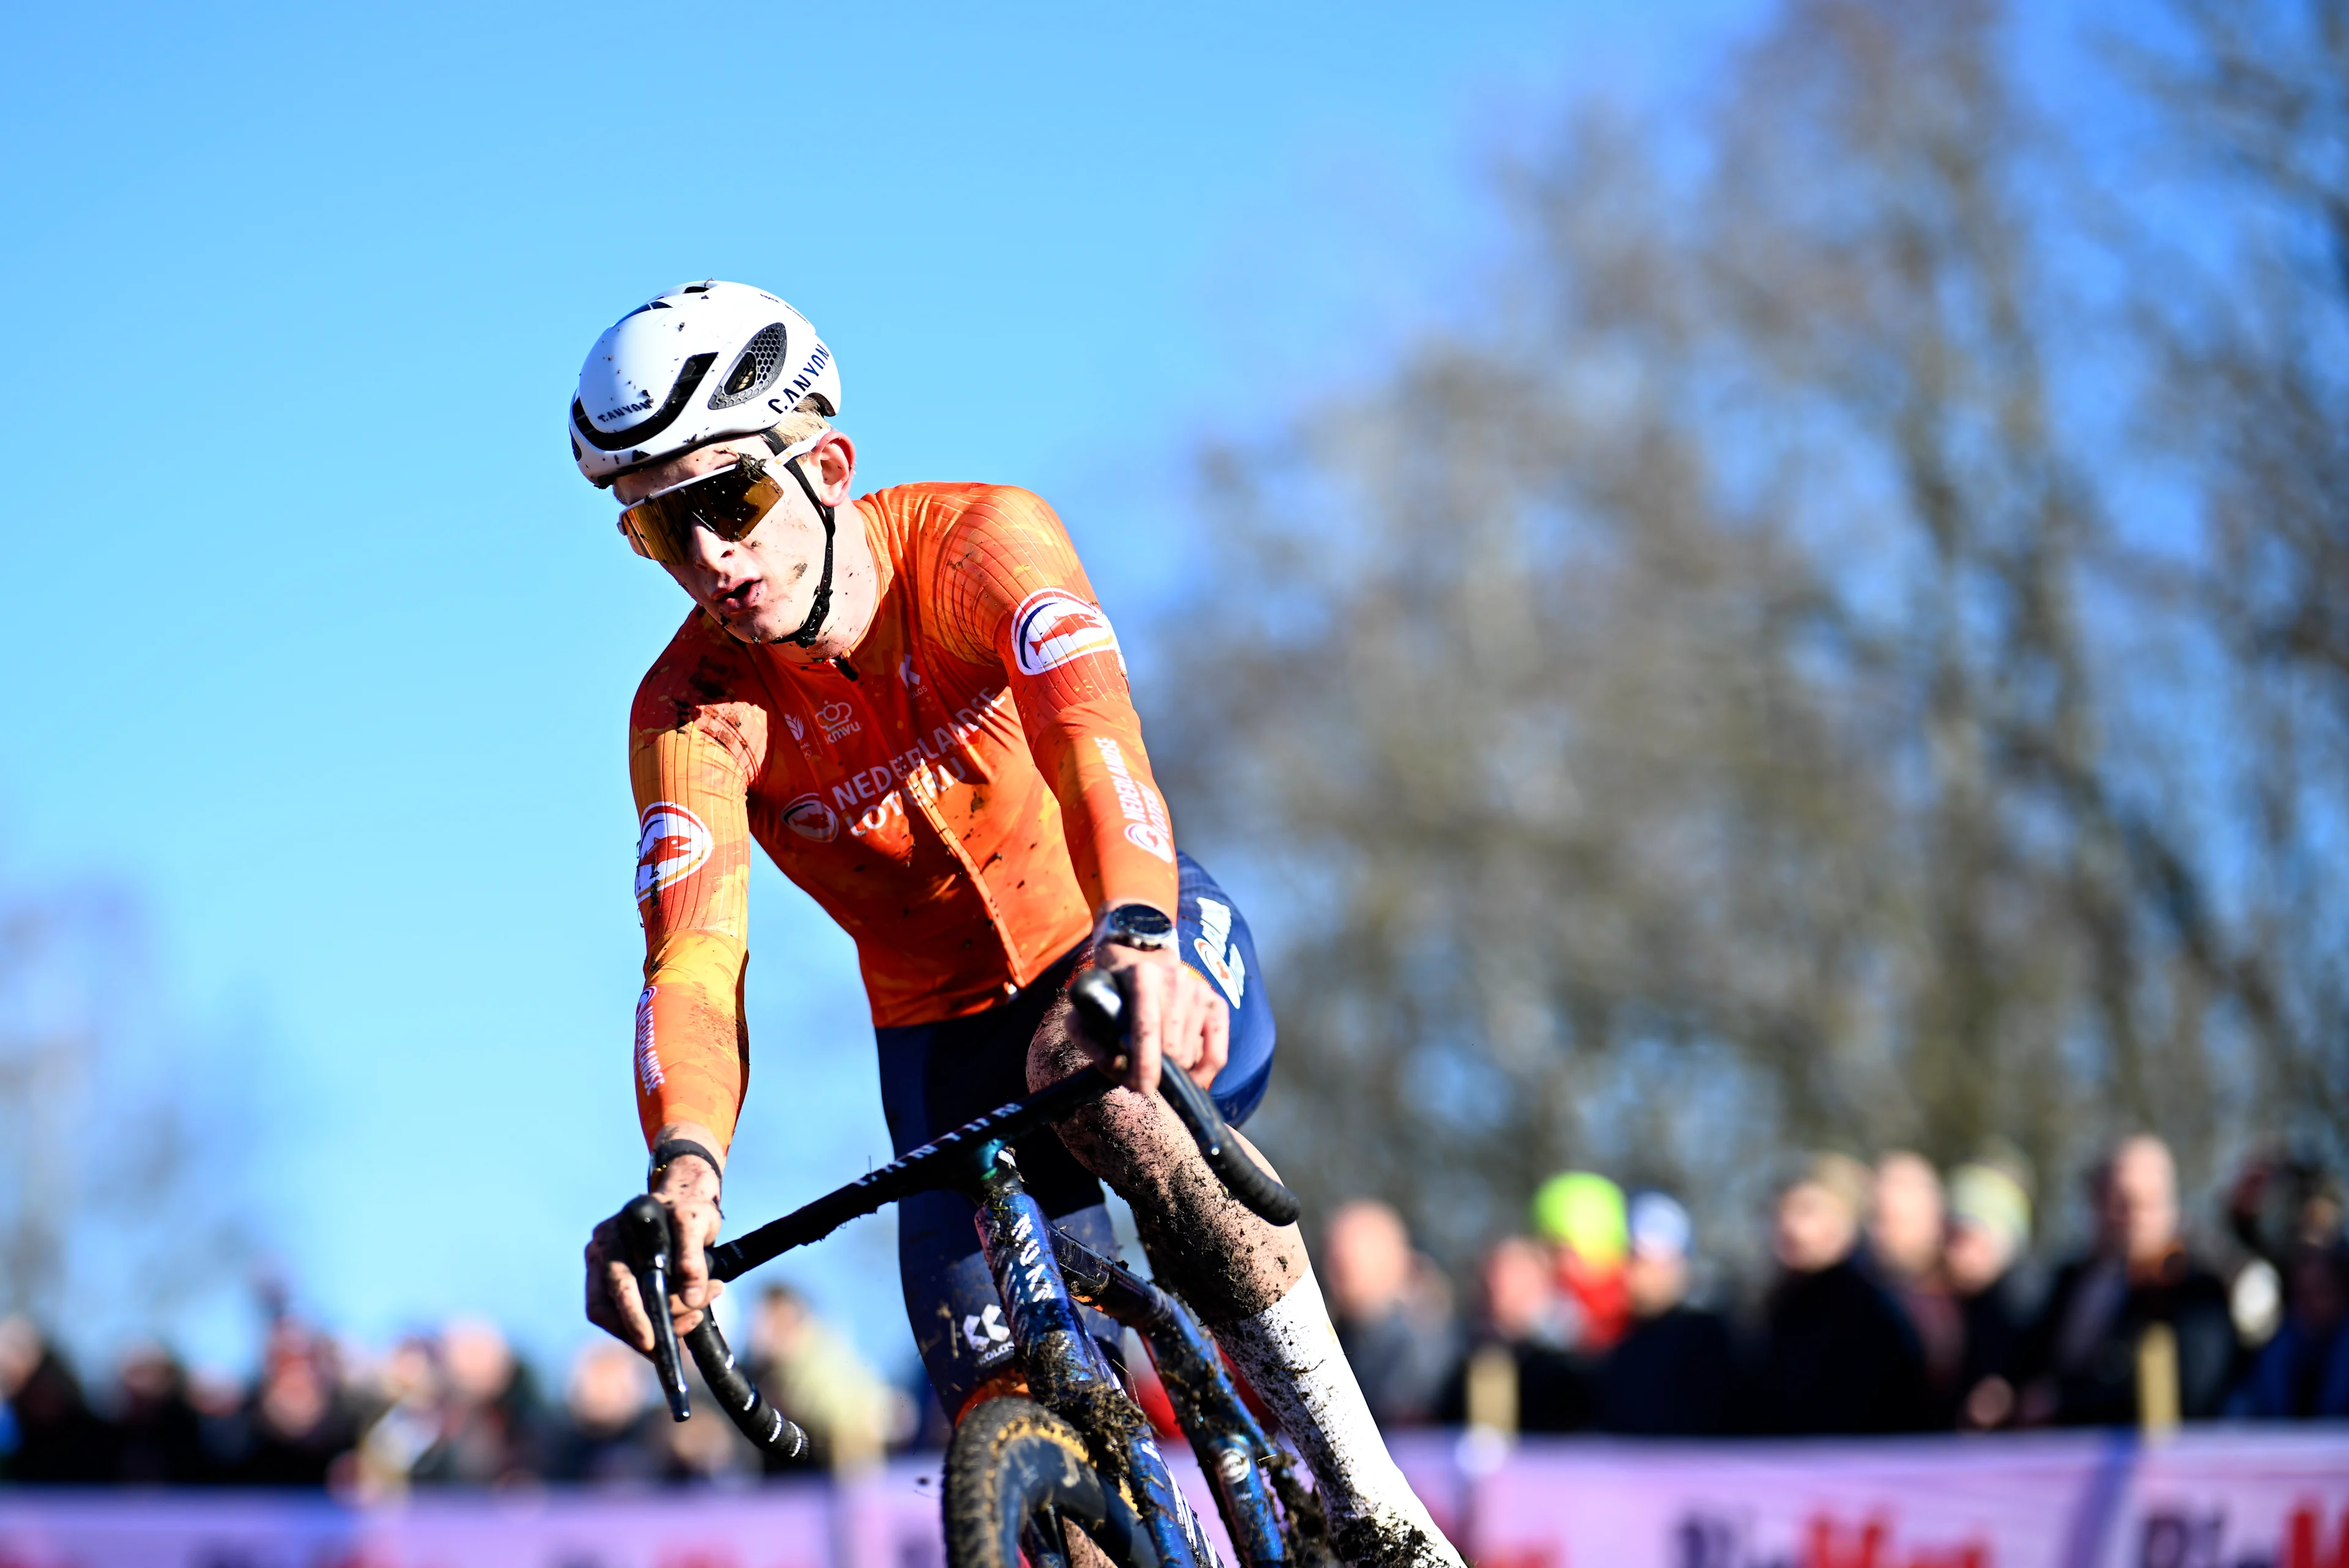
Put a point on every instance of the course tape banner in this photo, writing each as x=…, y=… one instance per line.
x=2206, y=1498
x=2236, y=1499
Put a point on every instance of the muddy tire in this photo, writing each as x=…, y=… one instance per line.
x=1016, y=1467
x=1305, y=1529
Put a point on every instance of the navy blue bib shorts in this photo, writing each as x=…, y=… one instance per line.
x=937, y=1076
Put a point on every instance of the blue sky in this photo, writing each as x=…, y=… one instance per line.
x=316, y=639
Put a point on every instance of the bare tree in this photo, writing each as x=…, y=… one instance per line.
x=2254, y=398
x=1706, y=711
x=117, y=1192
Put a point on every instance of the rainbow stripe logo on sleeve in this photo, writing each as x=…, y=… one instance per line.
x=811, y=819
x=1052, y=626
x=672, y=844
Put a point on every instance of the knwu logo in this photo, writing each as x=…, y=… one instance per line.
x=838, y=719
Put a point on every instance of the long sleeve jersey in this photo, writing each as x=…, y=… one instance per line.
x=962, y=806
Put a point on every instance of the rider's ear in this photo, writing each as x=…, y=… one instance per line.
x=834, y=461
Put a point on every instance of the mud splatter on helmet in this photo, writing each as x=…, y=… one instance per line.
x=701, y=363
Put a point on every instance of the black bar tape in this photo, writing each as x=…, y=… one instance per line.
x=740, y=1397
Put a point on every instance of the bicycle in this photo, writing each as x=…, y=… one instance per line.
x=1078, y=1449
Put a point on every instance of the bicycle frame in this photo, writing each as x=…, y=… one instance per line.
x=1070, y=1373
x=1042, y=1275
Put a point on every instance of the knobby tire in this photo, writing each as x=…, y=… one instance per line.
x=1015, y=1466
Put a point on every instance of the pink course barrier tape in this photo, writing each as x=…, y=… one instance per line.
x=2206, y=1498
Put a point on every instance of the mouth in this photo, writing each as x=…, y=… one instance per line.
x=743, y=598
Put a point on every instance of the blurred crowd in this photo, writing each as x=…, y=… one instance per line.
x=1900, y=1298
x=453, y=1407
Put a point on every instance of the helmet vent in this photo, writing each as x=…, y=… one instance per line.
x=754, y=370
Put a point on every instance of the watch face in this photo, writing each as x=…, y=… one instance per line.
x=1140, y=925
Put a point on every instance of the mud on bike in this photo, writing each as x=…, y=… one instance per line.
x=1077, y=1451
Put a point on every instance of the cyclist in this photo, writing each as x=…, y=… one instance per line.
x=914, y=703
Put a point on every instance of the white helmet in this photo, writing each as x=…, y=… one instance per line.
x=700, y=363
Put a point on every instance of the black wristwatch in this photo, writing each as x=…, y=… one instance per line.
x=1137, y=926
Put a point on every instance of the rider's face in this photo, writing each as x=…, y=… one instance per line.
x=758, y=586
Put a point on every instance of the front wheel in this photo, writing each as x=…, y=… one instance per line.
x=1018, y=1470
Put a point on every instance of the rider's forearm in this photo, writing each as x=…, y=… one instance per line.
x=693, y=892
x=1121, y=840
x=692, y=1045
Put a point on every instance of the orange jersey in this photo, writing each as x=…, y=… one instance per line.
x=962, y=807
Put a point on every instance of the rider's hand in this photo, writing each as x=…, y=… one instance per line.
x=1175, y=1016
x=689, y=1188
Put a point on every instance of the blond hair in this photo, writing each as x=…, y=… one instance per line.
x=803, y=423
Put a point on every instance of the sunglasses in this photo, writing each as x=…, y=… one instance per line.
x=729, y=502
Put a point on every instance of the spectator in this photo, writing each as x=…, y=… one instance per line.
x=1835, y=1353
x=1990, y=1228
x=1580, y=1215
x=2279, y=1203
x=299, y=1422
x=2302, y=1373
x=19, y=1351
x=1517, y=1376
x=1392, y=1319
x=489, y=1417
x=1908, y=1220
x=606, y=1440
x=2083, y=1353
x=1674, y=1375
x=58, y=1440
x=158, y=1438
x=407, y=1419
x=223, y=1421
x=816, y=1377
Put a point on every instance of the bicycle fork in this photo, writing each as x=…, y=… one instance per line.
x=1067, y=1370
x=1231, y=1447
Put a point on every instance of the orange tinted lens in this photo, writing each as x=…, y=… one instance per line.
x=647, y=536
x=728, y=503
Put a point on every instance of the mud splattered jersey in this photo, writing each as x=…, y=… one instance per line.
x=961, y=806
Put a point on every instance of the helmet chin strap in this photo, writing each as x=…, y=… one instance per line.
x=813, y=628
